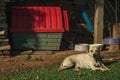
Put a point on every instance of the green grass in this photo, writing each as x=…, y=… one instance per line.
x=49, y=73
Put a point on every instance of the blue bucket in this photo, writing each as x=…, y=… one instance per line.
x=113, y=41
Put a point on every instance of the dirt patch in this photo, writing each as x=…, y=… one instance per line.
x=28, y=61
x=37, y=59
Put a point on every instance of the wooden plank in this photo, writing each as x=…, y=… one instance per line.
x=111, y=59
x=4, y=40
x=2, y=32
x=98, y=21
x=6, y=47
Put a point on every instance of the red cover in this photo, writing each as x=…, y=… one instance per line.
x=38, y=19
x=66, y=21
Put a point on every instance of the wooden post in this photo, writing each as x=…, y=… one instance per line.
x=99, y=21
x=116, y=30
x=116, y=34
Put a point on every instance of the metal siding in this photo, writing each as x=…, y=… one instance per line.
x=59, y=17
x=66, y=21
x=36, y=19
x=53, y=18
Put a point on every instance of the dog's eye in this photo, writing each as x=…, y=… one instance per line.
x=91, y=50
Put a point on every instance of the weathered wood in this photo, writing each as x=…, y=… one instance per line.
x=7, y=56
x=111, y=59
x=2, y=32
x=116, y=30
x=98, y=21
x=5, y=47
x=113, y=48
x=4, y=40
x=116, y=34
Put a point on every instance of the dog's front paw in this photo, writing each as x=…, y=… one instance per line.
x=107, y=69
x=76, y=69
x=103, y=70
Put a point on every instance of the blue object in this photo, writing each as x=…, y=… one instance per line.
x=112, y=41
x=84, y=15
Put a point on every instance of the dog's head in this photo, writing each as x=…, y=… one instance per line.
x=94, y=50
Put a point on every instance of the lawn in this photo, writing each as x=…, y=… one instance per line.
x=49, y=73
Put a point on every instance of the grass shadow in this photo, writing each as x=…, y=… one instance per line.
x=110, y=63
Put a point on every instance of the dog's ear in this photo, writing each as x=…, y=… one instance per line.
x=101, y=47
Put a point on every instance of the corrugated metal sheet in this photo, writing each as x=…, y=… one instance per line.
x=66, y=22
x=38, y=19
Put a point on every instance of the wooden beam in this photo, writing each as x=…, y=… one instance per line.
x=99, y=21
x=116, y=30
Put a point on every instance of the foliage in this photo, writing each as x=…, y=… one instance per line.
x=49, y=73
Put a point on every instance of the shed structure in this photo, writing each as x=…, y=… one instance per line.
x=38, y=27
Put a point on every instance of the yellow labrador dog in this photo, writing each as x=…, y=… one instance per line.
x=91, y=60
